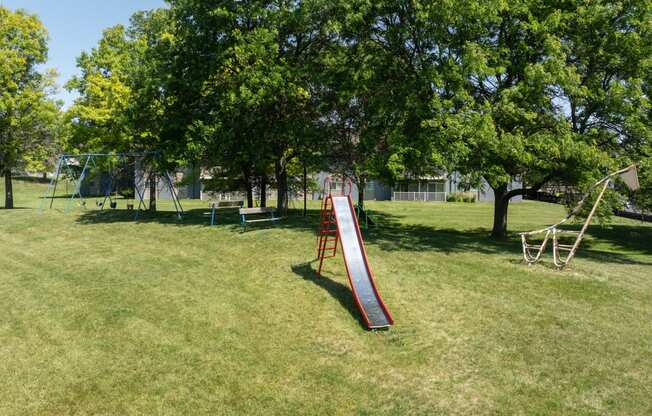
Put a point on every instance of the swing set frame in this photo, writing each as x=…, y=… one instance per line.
x=143, y=168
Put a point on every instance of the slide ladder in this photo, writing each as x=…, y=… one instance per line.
x=339, y=228
x=329, y=238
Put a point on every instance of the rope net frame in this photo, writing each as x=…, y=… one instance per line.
x=533, y=252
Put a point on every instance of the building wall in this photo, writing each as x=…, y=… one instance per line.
x=449, y=185
x=185, y=188
x=484, y=192
x=375, y=190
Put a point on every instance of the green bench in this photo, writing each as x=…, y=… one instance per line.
x=259, y=215
x=222, y=205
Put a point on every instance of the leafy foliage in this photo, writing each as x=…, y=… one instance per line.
x=528, y=90
x=28, y=117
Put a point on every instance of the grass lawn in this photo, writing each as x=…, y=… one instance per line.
x=100, y=315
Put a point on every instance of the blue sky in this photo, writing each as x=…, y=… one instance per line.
x=76, y=26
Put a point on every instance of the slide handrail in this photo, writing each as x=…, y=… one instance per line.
x=327, y=188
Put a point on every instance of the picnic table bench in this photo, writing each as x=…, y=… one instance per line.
x=222, y=205
x=259, y=214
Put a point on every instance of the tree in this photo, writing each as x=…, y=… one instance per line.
x=541, y=91
x=246, y=82
x=40, y=126
x=381, y=79
x=643, y=197
x=98, y=116
x=26, y=112
x=121, y=100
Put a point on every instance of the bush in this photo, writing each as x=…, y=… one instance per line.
x=467, y=197
x=454, y=197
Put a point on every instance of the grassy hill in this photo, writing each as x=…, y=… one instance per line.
x=103, y=315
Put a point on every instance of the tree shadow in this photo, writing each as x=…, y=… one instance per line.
x=32, y=179
x=192, y=217
x=342, y=293
x=391, y=234
x=626, y=237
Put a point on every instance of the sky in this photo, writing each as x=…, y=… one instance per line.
x=76, y=26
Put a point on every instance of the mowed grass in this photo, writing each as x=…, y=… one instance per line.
x=105, y=316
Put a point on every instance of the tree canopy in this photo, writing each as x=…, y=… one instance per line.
x=28, y=116
x=527, y=92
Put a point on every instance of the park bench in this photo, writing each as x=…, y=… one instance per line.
x=223, y=205
x=259, y=215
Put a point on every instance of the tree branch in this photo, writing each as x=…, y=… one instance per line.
x=527, y=191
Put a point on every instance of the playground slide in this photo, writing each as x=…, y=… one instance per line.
x=361, y=277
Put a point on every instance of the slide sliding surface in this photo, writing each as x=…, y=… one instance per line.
x=366, y=294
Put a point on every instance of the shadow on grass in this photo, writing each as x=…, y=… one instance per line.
x=626, y=237
x=193, y=217
x=392, y=235
x=342, y=293
x=32, y=179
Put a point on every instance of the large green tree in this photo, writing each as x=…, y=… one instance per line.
x=121, y=95
x=26, y=111
x=245, y=82
x=378, y=78
x=98, y=116
x=539, y=91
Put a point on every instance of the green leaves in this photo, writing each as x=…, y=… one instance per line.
x=28, y=117
x=99, y=116
x=528, y=89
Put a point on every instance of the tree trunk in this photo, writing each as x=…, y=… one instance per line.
x=501, y=205
x=305, y=190
x=263, y=191
x=282, y=188
x=248, y=189
x=361, y=185
x=152, y=192
x=9, y=190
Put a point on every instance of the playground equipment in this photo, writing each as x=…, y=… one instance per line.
x=532, y=253
x=223, y=206
x=133, y=171
x=339, y=224
x=261, y=215
x=364, y=217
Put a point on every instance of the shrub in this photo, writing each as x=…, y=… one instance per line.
x=453, y=197
x=468, y=197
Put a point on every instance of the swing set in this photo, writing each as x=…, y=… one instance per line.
x=107, y=176
x=532, y=252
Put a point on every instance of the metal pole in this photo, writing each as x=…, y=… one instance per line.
x=107, y=193
x=175, y=196
x=78, y=184
x=587, y=222
x=141, y=198
x=53, y=183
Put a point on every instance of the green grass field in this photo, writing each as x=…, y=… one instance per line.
x=100, y=315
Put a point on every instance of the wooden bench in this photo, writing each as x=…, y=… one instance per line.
x=260, y=215
x=221, y=205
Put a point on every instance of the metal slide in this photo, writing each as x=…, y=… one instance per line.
x=361, y=277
